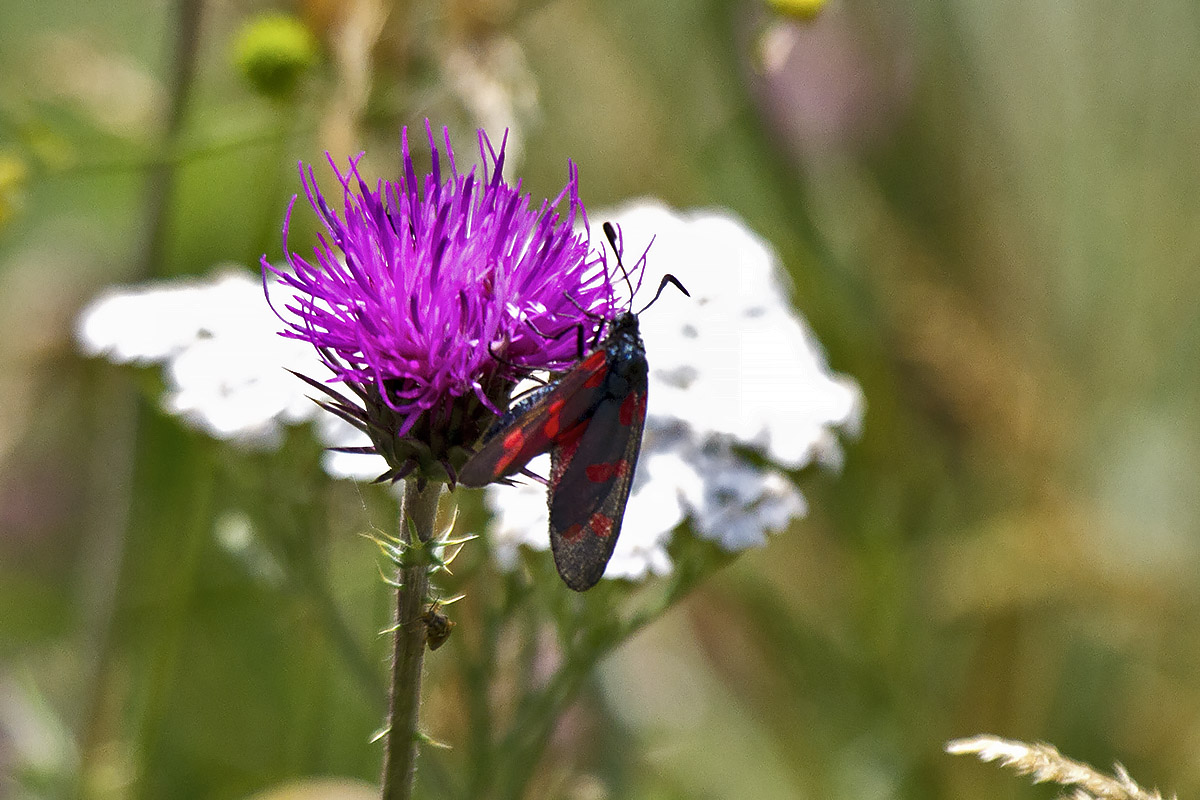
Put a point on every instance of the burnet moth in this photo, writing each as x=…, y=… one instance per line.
x=590, y=420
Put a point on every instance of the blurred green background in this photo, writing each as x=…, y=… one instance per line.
x=990, y=214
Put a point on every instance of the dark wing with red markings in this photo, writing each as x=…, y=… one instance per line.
x=590, y=478
x=548, y=417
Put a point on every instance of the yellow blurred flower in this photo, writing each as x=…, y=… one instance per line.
x=800, y=9
x=14, y=174
x=273, y=51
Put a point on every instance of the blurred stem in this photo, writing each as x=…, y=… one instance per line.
x=110, y=483
x=313, y=586
x=479, y=673
x=175, y=561
x=162, y=176
x=269, y=231
x=122, y=426
x=417, y=517
x=688, y=573
x=521, y=750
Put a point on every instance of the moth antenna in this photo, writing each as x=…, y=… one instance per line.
x=589, y=315
x=584, y=311
x=577, y=328
x=506, y=363
x=616, y=241
x=667, y=278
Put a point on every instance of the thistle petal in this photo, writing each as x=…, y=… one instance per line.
x=432, y=295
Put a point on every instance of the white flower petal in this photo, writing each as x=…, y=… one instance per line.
x=224, y=362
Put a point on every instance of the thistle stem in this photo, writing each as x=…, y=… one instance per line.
x=417, y=516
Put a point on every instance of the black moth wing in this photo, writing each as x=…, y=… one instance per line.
x=535, y=424
x=590, y=480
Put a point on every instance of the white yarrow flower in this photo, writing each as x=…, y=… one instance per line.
x=225, y=366
x=734, y=365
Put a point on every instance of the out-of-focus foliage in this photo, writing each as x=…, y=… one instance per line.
x=989, y=213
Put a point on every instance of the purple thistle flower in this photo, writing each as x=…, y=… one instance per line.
x=429, y=298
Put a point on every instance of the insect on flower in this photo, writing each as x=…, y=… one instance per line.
x=590, y=420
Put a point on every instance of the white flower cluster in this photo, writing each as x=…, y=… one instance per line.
x=731, y=366
x=224, y=362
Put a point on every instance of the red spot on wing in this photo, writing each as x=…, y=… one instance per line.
x=606, y=471
x=514, y=439
x=568, y=446
x=554, y=418
x=601, y=525
x=633, y=408
x=569, y=439
x=595, y=363
x=573, y=533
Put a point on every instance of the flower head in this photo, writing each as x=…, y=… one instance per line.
x=430, y=297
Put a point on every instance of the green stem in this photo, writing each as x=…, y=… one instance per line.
x=162, y=176
x=313, y=587
x=522, y=748
x=417, y=516
x=106, y=549
x=110, y=499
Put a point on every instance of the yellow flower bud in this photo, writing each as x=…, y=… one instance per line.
x=273, y=51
